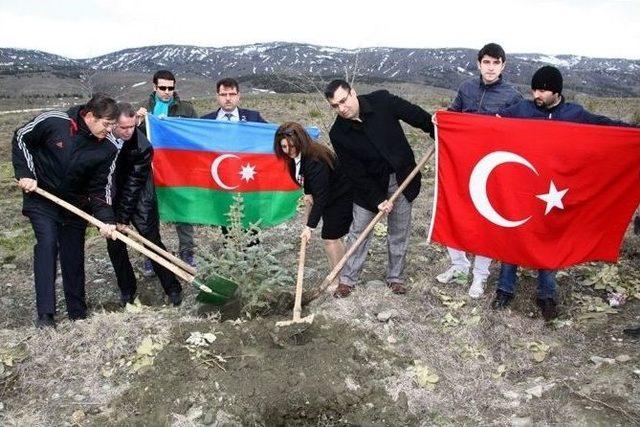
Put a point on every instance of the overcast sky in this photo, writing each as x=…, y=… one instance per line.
x=87, y=28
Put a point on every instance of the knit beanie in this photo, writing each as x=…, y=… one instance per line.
x=547, y=78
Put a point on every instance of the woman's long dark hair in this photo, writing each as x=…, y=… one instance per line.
x=297, y=137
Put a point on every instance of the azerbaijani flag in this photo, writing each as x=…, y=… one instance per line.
x=199, y=165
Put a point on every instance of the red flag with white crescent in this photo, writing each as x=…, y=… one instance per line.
x=537, y=193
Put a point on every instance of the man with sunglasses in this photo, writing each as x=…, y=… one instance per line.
x=370, y=144
x=71, y=154
x=164, y=101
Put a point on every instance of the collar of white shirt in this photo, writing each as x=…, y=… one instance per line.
x=235, y=115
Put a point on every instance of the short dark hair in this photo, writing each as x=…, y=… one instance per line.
x=493, y=50
x=102, y=106
x=126, y=109
x=228, y=82
x=333, y=86
x=164, y=75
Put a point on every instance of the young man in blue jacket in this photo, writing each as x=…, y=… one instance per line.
x=486, y=94
x=548, y=103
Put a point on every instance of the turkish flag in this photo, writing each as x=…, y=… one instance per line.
x=538, y=193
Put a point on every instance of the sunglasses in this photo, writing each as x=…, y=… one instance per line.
x=287, y=132
x=165, y=88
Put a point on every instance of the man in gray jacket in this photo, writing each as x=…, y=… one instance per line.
x=487, y=94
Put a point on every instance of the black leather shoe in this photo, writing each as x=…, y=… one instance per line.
x=501, y=301
x=175, y=298
x=45, y=321
x=77, y=316
x=126, y=299
x=548, y=308
x=632, y=332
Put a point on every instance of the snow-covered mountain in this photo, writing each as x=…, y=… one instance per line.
x=435, y=67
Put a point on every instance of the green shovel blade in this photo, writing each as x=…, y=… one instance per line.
x=223, y=290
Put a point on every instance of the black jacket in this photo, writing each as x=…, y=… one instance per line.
x=325, y=184
x=133, y=170
x=58, y=150
x=372, y=150
x=245, y=115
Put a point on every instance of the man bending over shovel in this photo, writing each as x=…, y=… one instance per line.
x=70, y=154
x=135, y=202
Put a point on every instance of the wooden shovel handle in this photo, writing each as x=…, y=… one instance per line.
x=313, y=294
x=297, y=306
x=168, y=255
x=129, y=242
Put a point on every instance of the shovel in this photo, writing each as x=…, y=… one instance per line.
x=168, y=255
x=315, y=293
x=217, y=289
x=297, y=305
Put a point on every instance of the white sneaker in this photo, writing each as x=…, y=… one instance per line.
x=477, y=288
x=452, y=274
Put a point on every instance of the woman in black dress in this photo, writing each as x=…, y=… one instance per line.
x=327, y=191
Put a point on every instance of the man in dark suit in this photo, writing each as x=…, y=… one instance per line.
x=228, y=91
x=373, y=149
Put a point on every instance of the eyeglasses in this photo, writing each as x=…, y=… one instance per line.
x=166, y=88
x=341, y=102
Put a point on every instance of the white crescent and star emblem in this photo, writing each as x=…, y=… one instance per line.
x=247, y=172
x=478, y=188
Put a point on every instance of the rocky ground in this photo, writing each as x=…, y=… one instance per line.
x=432, y=357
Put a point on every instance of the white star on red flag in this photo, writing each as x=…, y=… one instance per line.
x=248, y=172
x=553, y=198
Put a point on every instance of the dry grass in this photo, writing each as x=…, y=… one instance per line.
x=66, y=369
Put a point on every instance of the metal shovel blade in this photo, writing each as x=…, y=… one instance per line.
x=222, y=290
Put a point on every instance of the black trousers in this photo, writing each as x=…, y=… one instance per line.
x=124, y=270
x=64, y=237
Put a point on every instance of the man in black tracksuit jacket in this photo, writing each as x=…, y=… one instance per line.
x=72, y=155
x=135, y=202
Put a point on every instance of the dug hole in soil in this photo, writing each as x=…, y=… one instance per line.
x=265, y=375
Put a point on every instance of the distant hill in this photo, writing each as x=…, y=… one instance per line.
x=261, y=63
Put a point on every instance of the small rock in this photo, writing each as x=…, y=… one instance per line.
x=521, y=421
x=375, y=284
x=391, y=339
x=598, y=361
x=511, y=395
x=385, y=316
x=78, y=416
x=99, y=281
x=623, y=358
x=1, y=406
x=209, y=417
x=9, y=266
x=402, y=402
x=194, y=413
x=540, y=389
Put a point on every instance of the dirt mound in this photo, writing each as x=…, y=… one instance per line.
x=257, y=374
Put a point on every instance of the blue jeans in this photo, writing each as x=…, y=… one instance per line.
x=546, y=281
